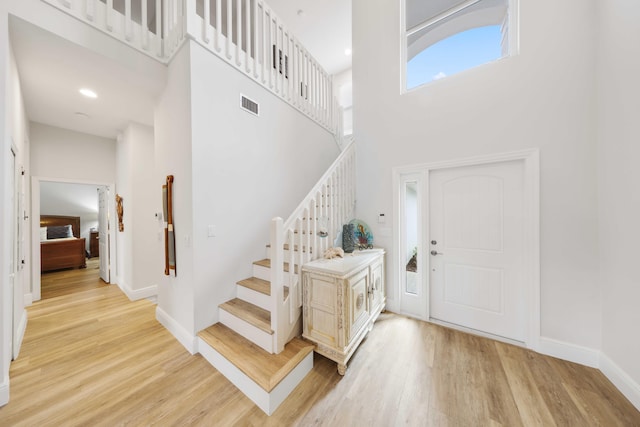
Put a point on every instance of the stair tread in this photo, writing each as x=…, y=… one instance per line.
x=267, y=263
x=266, y=369
x=256, y=284
x=258, y=317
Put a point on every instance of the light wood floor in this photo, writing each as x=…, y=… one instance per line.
x=72, y=280
x=93, y=358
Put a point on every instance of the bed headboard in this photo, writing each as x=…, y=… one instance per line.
x=53, y=220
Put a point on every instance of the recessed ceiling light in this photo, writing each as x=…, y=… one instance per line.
x=88, y=93
x=347, y=52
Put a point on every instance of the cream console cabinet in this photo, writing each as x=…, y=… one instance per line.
x=342, y=298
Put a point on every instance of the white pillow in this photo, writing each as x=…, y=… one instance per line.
x=43, y=233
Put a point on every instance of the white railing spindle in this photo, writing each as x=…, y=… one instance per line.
x=247, y=38
x=238, y=33
x=229, y=34
x=109, y=16
x=207, y=21
x=127, y=20
x=256, y=46
x=145, y=25
x=218, y=25
x=90, y=10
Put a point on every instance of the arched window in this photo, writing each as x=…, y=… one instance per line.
x=444, y=37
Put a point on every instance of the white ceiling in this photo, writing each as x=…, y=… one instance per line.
x=53, y=69
x=323, y=27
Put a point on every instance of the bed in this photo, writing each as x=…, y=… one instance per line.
x=61, y=250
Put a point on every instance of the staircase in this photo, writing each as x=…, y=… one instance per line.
x=256, y=343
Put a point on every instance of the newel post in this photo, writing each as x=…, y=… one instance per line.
x=277, y=280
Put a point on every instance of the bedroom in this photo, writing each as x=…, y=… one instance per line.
x=69, y=226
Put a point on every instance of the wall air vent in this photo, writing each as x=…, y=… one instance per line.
x=249, y=105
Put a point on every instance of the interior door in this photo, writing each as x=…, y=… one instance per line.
x=103, y=232
x=476, y=248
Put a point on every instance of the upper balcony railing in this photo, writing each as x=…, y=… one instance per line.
x=245, y=33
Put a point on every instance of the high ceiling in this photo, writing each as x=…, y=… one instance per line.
x=52, y=69
x=323, y=27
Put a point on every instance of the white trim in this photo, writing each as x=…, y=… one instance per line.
x=621, y=380
x=568, y=351
x=4, y=393
x=136, y=294
x=531, y=253
x=22, y=328
x=189, y=341
x=28, y=299
x=267, y=402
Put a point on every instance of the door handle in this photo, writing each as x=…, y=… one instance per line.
x=434, y=253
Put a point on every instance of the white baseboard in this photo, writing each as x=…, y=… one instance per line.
x=621, y=380
x=22, y=328
x=136, y=294
x=189, y=341
x=4, y=393
x=28, y=299
x=571, y=352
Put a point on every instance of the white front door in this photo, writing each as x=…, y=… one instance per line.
x=476, y=244
x=103, y=232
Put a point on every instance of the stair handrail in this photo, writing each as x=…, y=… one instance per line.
x=348, y=150
x=309, y=231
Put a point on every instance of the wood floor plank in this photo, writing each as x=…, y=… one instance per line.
x=92, y=357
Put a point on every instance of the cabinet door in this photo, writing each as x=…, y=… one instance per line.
x=320, y=309
x=357, y=302
x=376, y=292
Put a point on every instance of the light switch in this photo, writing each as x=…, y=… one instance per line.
x=212, y=231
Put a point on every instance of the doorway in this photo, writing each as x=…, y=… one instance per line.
x=468, y=247
x=96, y=223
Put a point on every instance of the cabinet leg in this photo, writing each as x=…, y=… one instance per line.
x=342, y=368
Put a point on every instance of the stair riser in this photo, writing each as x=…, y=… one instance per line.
x=255, y=298
x=267, y=402
x=261, y=272
x=247, y=330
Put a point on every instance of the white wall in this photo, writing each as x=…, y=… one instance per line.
x=343, y=90
x=137, y=263
x=618, y=178
x=62, y=153
x=541, y=98
x=63, y=198
x=172, y=125
x=15, y=134
x=246, y=170
x=5, y=248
